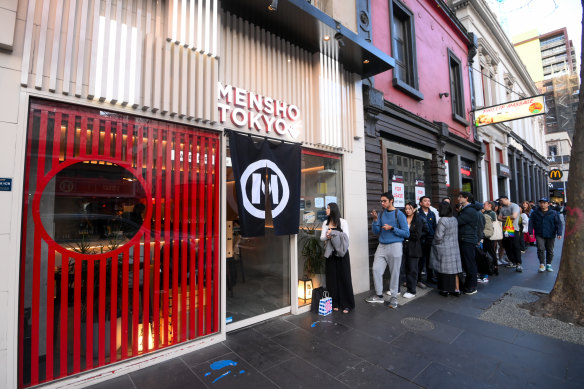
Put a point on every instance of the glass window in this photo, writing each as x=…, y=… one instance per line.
x=416, y=176
x=120, y=245
x=321, y=184
x=403, y=44
x=456, y=88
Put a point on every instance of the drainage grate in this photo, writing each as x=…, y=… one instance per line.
x=417, y=324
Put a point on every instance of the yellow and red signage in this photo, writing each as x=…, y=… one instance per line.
x=518, y=109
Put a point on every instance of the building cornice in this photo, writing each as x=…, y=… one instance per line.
x=495, y=28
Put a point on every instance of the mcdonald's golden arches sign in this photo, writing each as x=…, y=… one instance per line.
x=556, y=174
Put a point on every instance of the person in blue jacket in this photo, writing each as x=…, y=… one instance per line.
x=392, y=228
x=547, y=226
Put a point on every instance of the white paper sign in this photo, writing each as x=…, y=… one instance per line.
x=330, y=199
x=397, y=189
x=420, y=192
x=319, y=202
x=447, y=174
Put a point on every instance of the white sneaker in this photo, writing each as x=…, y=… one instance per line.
x=541, y=268
x=388, y=293
x=409, y=295
x=374, y=299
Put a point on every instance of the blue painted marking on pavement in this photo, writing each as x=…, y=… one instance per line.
x=221, y=376
x=223, y=363
x=207, y=374
x=241, y=371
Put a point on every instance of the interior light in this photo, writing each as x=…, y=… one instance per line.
x=273, y=6
x=326, y=37
x=366, y=61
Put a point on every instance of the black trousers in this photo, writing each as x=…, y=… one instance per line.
x=411, y=270
x=513, y=248
x=469, y=265
x=338, y=281
x=489, y=247
x=424, y=262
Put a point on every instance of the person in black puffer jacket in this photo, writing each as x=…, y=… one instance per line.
x=412, y=249
x=468, y=237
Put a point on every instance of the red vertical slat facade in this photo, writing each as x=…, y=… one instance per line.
x=101, y=293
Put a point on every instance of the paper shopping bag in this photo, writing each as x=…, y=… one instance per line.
x=325, y=305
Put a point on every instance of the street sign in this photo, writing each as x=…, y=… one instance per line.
x=556, y=174
x=5, y=184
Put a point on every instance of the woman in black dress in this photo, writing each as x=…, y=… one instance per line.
x=338, y=269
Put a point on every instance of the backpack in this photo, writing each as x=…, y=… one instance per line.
x=489, y=229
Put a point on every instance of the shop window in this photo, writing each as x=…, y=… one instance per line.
x=414, y=181
x=403, y=44
x=456, y=88
x=321, y=184
x=120, y=243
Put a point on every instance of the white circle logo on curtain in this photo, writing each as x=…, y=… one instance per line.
x=256, y=172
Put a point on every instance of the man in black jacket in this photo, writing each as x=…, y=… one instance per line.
x=468, y=237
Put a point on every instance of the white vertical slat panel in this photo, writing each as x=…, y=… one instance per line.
x=42, y=45
x=213, y=89
x=83, y=27
x=207, y=25
x=175, y=79
x=137, y=72
x=183, y=84
x=262, y=61
x=148, y=65
x=106, y=51
x=68, y=65
x=192, y=83
x=253, y=59
x=192, y=23
x=222, y=55
x=58, y=22
x=183, y=23
x=28, y=41
x=200, y=86
x=215, y=29
x=171, y=17
x=94, y=45
x=125, y=96
x=240, y=47
x=118, y=56
x=246, y=58
x=167, y=77
x=207, y=86
x=199, y=45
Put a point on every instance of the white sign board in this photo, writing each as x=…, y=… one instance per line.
x=397, y=189
x=420, y=192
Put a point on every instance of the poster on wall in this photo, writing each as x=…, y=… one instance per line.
x=397, y=189
x=420, y=190
x=447, y=174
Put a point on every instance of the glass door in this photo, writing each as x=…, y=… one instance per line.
x=258, y=268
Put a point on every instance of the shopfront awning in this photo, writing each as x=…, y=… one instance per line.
x=302, y=24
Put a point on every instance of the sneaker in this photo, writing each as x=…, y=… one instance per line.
x=409, y=295
x=519, y=269
x=393, y=303
x=503, y=261
x=422, y=285
x=541, y=268
x=523, y=251
x=470, y=292
x=483, y=280
x=388, y=293
x=510, y=265
x=548, y=267
x=374, y=299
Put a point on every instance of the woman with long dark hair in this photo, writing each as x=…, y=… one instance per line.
x=338, y=268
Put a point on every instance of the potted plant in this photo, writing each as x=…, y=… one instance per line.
x=312, y=250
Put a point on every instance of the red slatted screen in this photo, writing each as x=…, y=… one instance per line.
x=83, y=307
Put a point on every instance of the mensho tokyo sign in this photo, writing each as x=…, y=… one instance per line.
x=249, y=110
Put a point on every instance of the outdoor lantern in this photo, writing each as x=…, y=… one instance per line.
x=305, y=289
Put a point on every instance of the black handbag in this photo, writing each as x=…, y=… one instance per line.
x=485, y=262
x=316, y=296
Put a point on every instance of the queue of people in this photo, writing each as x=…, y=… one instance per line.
x=447, y=246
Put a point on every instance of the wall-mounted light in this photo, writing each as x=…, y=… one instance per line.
x=326, y=38
x=339, y=39
x=365, y=61
x=445, y=94
x=273, y=6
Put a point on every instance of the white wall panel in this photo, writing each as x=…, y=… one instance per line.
x=137, y=53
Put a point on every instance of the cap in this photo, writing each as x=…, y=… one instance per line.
x=544, y=199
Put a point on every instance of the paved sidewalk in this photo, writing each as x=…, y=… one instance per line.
x=431, y=342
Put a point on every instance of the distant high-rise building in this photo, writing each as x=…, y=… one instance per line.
x=551, y=61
